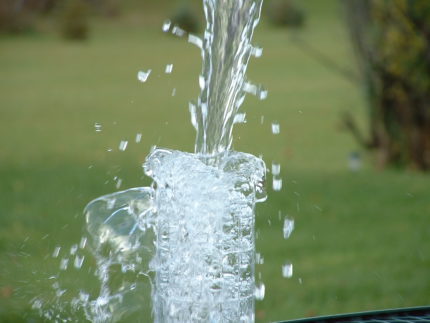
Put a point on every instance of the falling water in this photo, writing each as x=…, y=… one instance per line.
x=225, y=51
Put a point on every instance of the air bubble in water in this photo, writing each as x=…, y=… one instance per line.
x=142, y=76
x=288, y=227
x=276, y=128
x=287, y=270
x=123, y=145
x=169, y=69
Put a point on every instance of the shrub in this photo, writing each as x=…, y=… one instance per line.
x=14, y=17
x=186, y=18
x=285, y=13
x=74, y=20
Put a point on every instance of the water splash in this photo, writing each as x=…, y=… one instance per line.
x=193, y=230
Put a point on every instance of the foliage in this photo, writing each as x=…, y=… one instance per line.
x=285, y=13
x=14, y=17
x=74, y=20
x=186, y=18
x=392, y=39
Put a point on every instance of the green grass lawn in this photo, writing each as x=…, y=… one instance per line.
x=361, y=239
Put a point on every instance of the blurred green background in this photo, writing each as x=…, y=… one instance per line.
x=361, y=235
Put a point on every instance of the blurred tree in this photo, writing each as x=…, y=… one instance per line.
x=74, y=20
x=392, y=42
x=285, y=13
x=186, y=18
x=15, y=17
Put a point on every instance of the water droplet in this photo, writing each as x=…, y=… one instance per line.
x=176, y=30
x=276, y=128
x=260, y=292
x=56, y=252
x=98, y=127
x=250, y=88
x=64, y=263
x=257, y=52
x=123, y=145
x=287, y=270
x=142, y=76
x=83, y=242
x=277, y=183
x=138, y=137
x=262, y=94
x=259, y=259
x=288, y=227
x=195, y=40
x=118, y=183
x=73, y=249
x=276, y=168
x=166, y=25
x=202, y=82
x=240, y=118
x=169, y=69
x=79, y=260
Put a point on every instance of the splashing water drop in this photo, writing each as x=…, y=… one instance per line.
x=83, y=242
x=123, y=145
x=56, y=252
x=276, y=168
x=118, y=183
x=64, y=263
x=138, y=138
x=79, y=260
x=178, y=31
x=240, y=118
x=73, y=249
x=195, y=40
x=168, y=69
x=257, y=52
x=277, y=183
x=287, y=270
x=166, y=26
x=288, y=227
x=142, y=76
x=276, y=128
x=98, y=127
x=260, y=292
